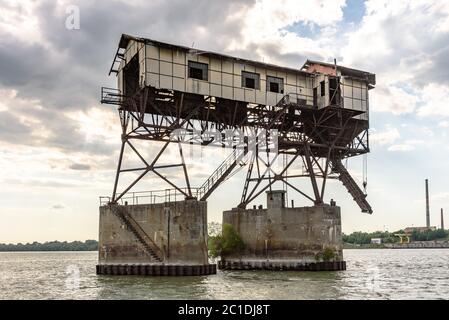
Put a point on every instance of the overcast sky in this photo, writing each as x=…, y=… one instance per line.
x=59, y=145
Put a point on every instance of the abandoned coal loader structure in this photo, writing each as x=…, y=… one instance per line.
x=170, y=95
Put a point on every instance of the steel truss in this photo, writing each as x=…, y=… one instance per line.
x=317, y=138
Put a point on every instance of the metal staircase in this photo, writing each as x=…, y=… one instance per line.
x=220, y=174
x=153, y=251
x=352, y=187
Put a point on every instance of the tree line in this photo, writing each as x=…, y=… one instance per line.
x=387, y=237
x=88, y=245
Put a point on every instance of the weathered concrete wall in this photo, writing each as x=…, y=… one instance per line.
x=294, y=234
x=179, y=229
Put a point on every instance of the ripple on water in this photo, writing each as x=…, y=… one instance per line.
x=371, y=274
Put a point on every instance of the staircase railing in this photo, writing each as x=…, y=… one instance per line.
x=220, y=174
x=150, y=246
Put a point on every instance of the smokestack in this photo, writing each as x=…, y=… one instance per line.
x=427, y=205
x=442, y=219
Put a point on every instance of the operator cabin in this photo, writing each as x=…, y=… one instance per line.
x=141, y=62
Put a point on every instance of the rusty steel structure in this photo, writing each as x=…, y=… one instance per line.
x=318, y=139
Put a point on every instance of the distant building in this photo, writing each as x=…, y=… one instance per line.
x=376, y=240
x=410, y=230
x=403, y=237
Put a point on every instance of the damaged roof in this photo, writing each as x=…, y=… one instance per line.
x=345, y=71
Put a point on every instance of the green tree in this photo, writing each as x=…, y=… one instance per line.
x=228, y=242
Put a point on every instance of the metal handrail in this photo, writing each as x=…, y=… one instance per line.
x=111, y=96
x=151, y=197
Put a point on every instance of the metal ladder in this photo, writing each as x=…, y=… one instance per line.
x=150, y=247
x=352, y=187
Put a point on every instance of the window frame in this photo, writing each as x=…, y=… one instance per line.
x=279, y=81
x=252, y=75
x=204, y=67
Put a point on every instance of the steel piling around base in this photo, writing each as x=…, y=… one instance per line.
x=156, y=270
x=280, y=266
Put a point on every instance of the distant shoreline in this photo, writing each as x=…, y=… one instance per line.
x=412, y=245
x=88, y=245
x=92, y=245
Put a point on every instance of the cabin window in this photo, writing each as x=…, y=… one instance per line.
x=250, y=80
x=275, y=84
x=334, y=91
x=322, y=88
x=198, y=70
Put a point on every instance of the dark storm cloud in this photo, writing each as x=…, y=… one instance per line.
x=68, y=69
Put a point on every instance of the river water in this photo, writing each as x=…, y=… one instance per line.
x=371, y=274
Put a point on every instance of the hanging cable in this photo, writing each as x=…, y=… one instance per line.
x=365, y=172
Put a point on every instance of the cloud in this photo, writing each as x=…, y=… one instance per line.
x=392, y=99
x=52, y=124
x=442, y=196
x=58, y=207
x=410, y=59
x=401, y=147
x=80, y=166
x=435, y=97
x=388, y=136
x=42, y=183
x=13, y=130
x=443, y=124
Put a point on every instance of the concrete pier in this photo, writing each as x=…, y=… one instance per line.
x=154, y=239
x=281, y=238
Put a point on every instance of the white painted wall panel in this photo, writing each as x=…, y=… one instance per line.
x=152, y=65
x=227, y=79
x=179, y=84
x=239, y=94
x=152, y=52
x=250, y=95
x=165, y=54
x=215, y=77
x=215, y=90
x=179, y=57
x=215, y=64
x=227, y=92
x=179, y=71
x=167, y=68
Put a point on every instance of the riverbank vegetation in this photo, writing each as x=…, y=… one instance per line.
x=364, y=238
x=227, y=242
x=88, y=245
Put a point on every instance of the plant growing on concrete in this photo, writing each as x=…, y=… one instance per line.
x=226, y=243
x=328, y=254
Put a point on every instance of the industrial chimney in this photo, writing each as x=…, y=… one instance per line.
x=442, y=219
x=427, y=205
